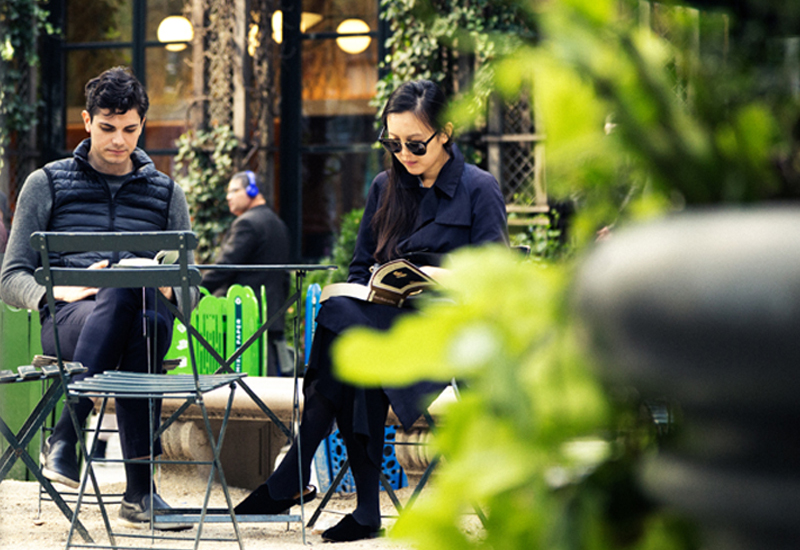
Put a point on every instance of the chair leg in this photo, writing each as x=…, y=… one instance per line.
x=20, y=447
x=90, y=474
x=387, y=487
x=329, y=493
x=217, y=468
x=423, y=480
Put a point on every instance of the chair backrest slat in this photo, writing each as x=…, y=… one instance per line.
x=115, y=241
x=118, y=277
x=129, y=277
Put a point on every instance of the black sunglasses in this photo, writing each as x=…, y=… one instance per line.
x=418, y=148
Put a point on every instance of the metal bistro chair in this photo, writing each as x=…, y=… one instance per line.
x=384, y=480
x=227, y=365
x=117, y=384
x=18, y=442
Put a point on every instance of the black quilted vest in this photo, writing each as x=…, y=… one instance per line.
x=82, y=202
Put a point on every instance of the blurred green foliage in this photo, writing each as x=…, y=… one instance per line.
x=546, y=241
x=534, y=441
x=638, y=124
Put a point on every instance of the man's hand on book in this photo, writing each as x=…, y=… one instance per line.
x=75, y=293
x=162, y=257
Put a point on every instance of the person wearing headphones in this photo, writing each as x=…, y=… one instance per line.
x=257, y=236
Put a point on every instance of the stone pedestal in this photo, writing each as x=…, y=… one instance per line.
x=252, y=442
x=248, y=453
x=703, y=309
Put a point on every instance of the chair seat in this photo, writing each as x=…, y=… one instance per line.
x=141, y=385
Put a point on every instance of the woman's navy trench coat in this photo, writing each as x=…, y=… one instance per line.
x=464, y=207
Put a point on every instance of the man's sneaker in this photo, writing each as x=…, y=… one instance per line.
x=137, y=514
x=59, y=463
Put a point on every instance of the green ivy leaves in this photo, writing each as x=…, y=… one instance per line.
x=203, y=167
x=428, y=37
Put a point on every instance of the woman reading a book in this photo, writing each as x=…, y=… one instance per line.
x=427, y=204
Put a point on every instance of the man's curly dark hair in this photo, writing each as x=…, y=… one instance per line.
x=116, y=90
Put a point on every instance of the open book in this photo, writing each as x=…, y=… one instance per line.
x=161, y=258
x=391, y=283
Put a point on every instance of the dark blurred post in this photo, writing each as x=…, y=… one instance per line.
x=291, y=185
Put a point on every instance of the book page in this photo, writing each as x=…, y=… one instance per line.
x=136, y=262
x=438, y=274
x=399, y=276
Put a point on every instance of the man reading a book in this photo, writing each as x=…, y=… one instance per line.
x=108, y=184
x=427, y=204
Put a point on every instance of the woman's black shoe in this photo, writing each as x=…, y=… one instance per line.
x=349, y=530
x=259, y=502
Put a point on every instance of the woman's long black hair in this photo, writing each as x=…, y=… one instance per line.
x=397, y=210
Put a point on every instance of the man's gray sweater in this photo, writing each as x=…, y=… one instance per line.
x=17, y=285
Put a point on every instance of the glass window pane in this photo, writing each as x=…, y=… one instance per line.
x=99, y=21
x=327, y=15
x=82, y=66
x=336, y=82
x=339, y=131
x=333, y=184
x=169, y=85
x=157, y=11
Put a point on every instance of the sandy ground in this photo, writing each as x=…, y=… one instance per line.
x=28, y=524
x=23, y=527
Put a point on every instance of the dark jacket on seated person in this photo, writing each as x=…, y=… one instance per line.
x=465, y=207
x=257, y=237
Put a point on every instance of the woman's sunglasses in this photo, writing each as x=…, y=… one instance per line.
x=394, y=146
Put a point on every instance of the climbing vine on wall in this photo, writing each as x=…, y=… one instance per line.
x=203, y=167
x=21, y=22
x=448, y=42
x=219, y=52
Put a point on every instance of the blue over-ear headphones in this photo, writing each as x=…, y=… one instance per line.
x=251, y=189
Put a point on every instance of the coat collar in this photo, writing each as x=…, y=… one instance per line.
x=139, y=157
x=448, y=178
x=447, y=203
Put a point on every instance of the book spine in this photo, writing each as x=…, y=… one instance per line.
x=385, y=298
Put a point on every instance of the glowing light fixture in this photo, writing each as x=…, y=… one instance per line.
x=354, y=44
x=307, y=20
x=173, y=29
x=253, y=40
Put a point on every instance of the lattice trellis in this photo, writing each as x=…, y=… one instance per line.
x=516, y=157
x=519, y=166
